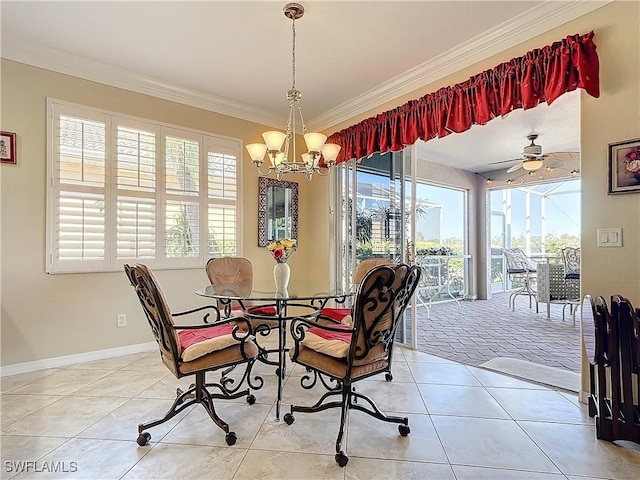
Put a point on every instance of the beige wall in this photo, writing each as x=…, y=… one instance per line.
x=46, y=316
x=51, y=315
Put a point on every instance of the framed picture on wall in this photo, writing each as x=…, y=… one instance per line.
x=624, y=166
x=8, y=147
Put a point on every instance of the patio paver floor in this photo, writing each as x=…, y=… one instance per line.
x=480, y=330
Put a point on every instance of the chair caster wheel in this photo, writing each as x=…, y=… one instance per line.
x=288, y=418
x=404, y=430
x=231, y=438
x=341, y=458
x=388, y=377
x=143, y=438
x=251, y=399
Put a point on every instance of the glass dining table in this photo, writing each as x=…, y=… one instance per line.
x=300, y=300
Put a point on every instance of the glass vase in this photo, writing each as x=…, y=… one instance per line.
x=281, y=275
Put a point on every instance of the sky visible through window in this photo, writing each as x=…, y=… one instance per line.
x=562, y=209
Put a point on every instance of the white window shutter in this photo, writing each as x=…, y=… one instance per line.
x=124, y=190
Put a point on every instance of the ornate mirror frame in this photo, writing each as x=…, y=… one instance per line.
x=264, y=184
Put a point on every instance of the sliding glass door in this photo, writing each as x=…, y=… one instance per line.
x=374, y=200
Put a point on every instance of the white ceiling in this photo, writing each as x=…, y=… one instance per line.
x=351, y=56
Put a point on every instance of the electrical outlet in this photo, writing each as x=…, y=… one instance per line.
x=121, y=320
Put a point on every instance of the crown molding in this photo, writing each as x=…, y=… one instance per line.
x=545, y=17
x=78, y=66
x=540, y=19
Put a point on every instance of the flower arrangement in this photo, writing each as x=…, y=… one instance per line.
x=632, y=161
x=281, y=249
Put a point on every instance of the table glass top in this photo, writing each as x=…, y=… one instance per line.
x=265, y=290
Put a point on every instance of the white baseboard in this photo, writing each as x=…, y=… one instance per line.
x=65, y=360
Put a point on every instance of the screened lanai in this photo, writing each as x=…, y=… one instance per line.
x=540, y=219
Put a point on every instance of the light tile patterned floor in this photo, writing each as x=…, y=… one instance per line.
x=477, y=331
x=466, y=423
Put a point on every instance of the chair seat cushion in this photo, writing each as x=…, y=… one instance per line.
x=231, y=355
x=336, y=314
x=199, y=342
x=337, y=367
x=334, y=344
x=257, y=310
x=520, y=270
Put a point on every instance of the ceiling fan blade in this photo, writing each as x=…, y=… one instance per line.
x=565, y=155
x=506, y=161
x=515, y=167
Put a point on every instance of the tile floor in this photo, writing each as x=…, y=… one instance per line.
x=466, y=423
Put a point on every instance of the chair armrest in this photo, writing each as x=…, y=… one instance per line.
x=299, y=326
x=205, y=318
x=241, y=323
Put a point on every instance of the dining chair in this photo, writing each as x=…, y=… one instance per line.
x=571, y=262
x=238, y=270
x=521, y=268
x=262, y=318
x=193, y=350
x=339, y=314
x=341, y=355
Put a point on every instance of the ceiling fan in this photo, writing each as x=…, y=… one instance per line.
x=532, y=157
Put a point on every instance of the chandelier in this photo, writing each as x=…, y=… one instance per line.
x=283, y=160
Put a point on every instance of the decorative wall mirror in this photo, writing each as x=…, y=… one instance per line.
x=277, y=210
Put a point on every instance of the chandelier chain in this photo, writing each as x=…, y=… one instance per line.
x=293, y=54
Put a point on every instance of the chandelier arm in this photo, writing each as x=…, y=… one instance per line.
x=261, y=173
x=319, y=171
x=290, y=134
x=304, y=126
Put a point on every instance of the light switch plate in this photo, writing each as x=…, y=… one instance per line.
x=610, y=237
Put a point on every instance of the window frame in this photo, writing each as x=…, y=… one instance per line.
x=208, y=142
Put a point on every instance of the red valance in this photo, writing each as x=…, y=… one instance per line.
x=541, y=75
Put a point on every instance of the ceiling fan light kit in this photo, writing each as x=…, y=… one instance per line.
x=532, y=164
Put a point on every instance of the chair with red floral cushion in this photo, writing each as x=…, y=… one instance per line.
x=340, y=355
x=194, y=350
x=236, y=270
x=338, y=314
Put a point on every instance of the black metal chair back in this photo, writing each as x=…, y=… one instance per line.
x=157, y=312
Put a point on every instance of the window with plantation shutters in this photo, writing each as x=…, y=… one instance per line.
x=222, y=189
x=135, y=192
x=123, y=190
